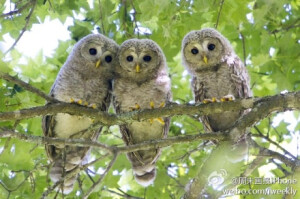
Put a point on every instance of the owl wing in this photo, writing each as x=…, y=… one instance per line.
x=74, y=155
x=199, y=95
x=48, y=124
x=240, y=78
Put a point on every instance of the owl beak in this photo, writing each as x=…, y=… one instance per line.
x=137, y=68
x=205, y=59
x=98, y=63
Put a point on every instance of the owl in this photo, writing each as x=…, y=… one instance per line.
x=217, y=74
x=86, y=79
x=142, y=82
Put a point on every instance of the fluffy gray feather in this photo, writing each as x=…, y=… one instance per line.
x=141, y=78
x=86, y=76
x=216, y=72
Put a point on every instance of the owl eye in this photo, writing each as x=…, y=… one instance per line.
x=108, y=58
x=93, y=51
x=195, y=51
x=147, y=58
x=211, y=47
x=129, y=58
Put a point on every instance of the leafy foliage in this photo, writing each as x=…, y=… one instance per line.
x=264, y=33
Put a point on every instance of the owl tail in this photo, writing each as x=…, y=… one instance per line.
x=61, y=169
x=65, y=168
x=145, y=175
x=143, y=165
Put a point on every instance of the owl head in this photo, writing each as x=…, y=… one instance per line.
x=94, y=54
x=140, y=60
x=204, y=48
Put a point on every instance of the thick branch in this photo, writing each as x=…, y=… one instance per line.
x=113, y=119
x=262, y=108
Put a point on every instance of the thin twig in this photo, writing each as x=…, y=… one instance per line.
x=60, y=182
x=95, y=185
x=244, y=48
x=53, y=141
x=124, y=195
x=26, y=86
x=272, y=142
x=24, y=28
x=269, y=153
x=17, y=11
x=136, y=27
x=287, y=28
x=279, y=166
x=101, y=17
x=250, y=168
x=219, y=13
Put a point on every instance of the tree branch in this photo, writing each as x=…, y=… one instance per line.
x=49, y=140
x=96, y=184
x=262, y=108
x=113, y=119
x=28, y=17
x=113, y=149
x=219, y=13
x=293, y=163
x=272, y=142
x=17, y=11
x=26, y=86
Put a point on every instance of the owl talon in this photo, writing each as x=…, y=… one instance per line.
x=151, y=104
x=93, y=106
x=135, y=108
x=162, y=105
x=227, y=98
x=83, y=103
x=75, y=101
x=160, y=120
x=212, y=100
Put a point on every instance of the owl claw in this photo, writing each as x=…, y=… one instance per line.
x=227, y=98
x=212, y=100
x=75, y=101
x=151, y=104
x=160, y=120
x=83, y=103
x=135, y=108
x=93, y=106
x=162, y=105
